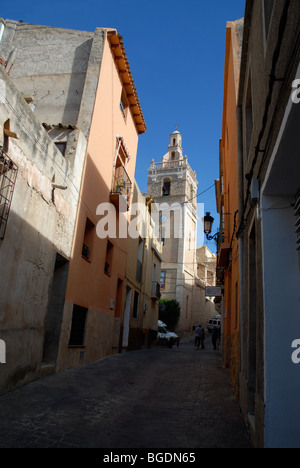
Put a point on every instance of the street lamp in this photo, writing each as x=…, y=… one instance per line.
x=207, y=224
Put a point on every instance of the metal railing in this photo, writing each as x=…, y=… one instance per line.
x=170, y=164
x=121, y=182
x=156, y=290
x=8, y=175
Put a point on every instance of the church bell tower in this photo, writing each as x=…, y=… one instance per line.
x=173, y=185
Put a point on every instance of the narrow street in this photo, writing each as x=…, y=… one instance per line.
x=153, y=398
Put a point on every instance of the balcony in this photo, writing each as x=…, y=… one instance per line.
x=121, y=189
x=155, y=291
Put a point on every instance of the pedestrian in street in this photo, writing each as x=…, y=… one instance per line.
x=202, y=339
x=198, y=336
x=215, y=337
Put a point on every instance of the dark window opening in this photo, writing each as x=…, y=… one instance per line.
x=124, y=104
x=78, y=327
x=6, y=137
x=135, y=305
x=119, y=296
x=268, y=9
x=166, y=188
x=88, y=240
x=61, y=146
x=108, y=258
x=139, y=266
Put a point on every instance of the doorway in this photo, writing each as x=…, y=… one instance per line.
x=127, y=317
x=54, y=316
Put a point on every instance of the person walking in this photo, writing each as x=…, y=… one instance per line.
x=215, y=337
x=198, y=333
x=202, y=339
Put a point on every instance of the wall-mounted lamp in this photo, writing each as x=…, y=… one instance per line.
x=207, y=225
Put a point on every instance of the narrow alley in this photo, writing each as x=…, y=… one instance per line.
x=152, y=398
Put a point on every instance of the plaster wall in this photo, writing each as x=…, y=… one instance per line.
x=41, y=223
x=88, y=285
x=50, y=65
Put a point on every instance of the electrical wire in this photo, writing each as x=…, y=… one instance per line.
x=199, y=194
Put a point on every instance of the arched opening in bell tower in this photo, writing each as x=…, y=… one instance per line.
x=166, y=189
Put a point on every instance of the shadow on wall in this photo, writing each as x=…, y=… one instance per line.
x=29, y=265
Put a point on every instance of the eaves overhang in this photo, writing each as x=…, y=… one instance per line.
x=122, y=64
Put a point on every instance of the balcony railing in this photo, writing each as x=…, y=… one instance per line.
x=156, y=290
x=121, y=185
x=176, y=164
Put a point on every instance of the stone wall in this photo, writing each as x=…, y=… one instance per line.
x=40, y=225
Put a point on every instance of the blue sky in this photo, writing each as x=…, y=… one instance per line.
x=176, y=53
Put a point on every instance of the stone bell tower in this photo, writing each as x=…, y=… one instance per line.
x=173, y=185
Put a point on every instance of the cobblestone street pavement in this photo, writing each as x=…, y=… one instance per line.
x=152, y=398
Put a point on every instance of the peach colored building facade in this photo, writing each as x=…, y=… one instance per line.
x=78, y=119
x=143, y=271
x=228, y=203
x=96, y=283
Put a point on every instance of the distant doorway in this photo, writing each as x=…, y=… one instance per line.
x=55, y=310
x=127, y=317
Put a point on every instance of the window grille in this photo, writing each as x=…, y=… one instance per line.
x=8, y=175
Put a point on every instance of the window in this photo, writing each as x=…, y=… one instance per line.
x=139, y=267
x=124, y=104
x=163, y=235
x=77, y=334
x=163, y=279
x=119, y=296
x=135, y=305
x=267, y=9
x=108, y=258
x=166, y=188
x=8, y=175
x=61, y=146
x=88, y=240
